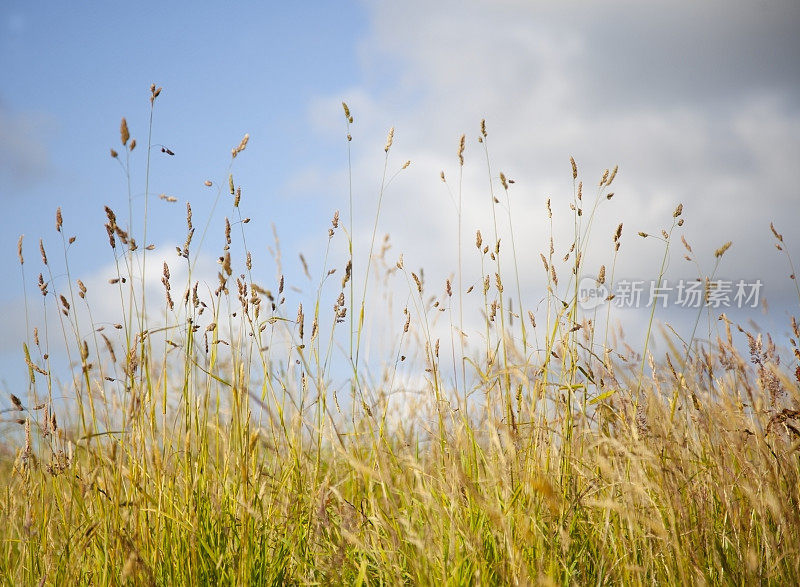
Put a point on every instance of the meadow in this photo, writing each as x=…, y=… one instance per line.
x=227, y=435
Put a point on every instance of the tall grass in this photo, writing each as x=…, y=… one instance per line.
x=206, y=441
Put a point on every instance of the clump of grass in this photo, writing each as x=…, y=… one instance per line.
x=206, y=441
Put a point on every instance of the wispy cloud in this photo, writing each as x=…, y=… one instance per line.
x=698, y=104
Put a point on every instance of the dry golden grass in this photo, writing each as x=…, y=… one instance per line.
x=204, y=442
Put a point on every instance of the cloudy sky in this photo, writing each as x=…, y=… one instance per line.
x=698, y=103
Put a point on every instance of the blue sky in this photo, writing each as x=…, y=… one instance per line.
x=697, y=103
x=71, y=74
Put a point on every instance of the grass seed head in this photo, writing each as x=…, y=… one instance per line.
x=300, y=321
x=389, y=140
x=241, y=147
x=154, y=92
x=612, y=176
x=721, y=251
x=124, y=135
x=347, y=272
x=417, y=281
x=28, y=443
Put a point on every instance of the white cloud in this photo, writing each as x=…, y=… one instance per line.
x=696, y=104
x=108, y=303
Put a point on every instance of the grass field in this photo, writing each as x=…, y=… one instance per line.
x=209, y=440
